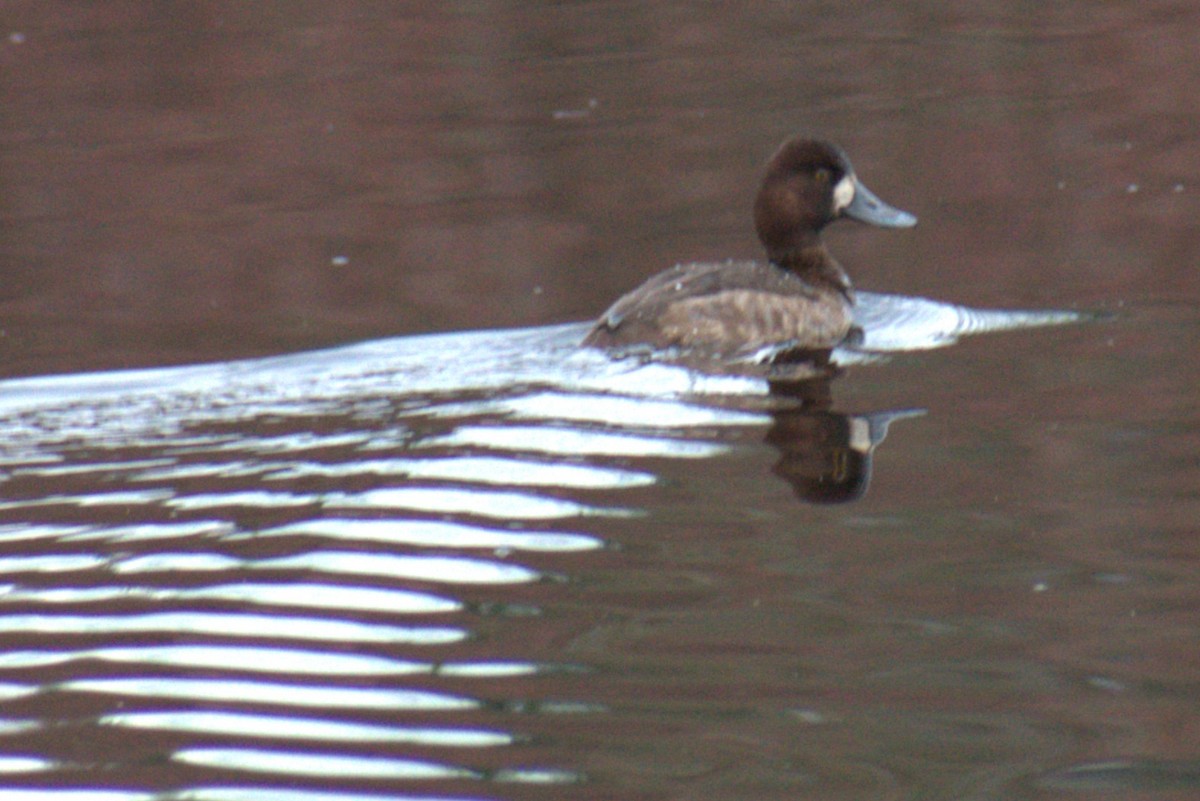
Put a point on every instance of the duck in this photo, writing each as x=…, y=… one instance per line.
x=797, y=305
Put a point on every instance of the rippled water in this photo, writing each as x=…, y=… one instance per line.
x=489, y=565
x=422, y=566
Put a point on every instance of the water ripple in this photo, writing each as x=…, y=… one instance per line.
x=474, y=469
x=144, y=532
x=51, y=563
x=483, y=503
x=323, y=596
x=230, y=625
x=10, y=691
x=293, y=794
x=193, y=470
x=299, y=763
x=434, y=533
x=58, y=470
x=273, y=693
x=443, y=569
x=291, y=727
x=572, y=442
x=260, y=659
x=138, y=506
x=123, y=498
x=23, y=764
x=219, y=657
x=261, y=499
x=626, y=412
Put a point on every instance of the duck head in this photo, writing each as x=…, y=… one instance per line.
x=809, y=184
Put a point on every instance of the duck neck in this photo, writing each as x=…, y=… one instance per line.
x=813, y=263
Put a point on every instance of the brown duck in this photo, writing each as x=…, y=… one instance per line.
x=799, y=304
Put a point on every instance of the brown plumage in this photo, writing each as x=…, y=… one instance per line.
x=799, y=302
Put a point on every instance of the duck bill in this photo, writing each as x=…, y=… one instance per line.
x=867, y=207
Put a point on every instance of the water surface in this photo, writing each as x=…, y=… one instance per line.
x=463, y=559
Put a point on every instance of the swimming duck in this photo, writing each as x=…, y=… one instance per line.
x=797, y=305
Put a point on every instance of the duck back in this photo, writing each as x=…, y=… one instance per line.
x=724, y=310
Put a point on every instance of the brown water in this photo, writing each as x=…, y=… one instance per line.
x=488, y=566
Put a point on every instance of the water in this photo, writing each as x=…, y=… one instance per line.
x=485, y=564
x=481, y=564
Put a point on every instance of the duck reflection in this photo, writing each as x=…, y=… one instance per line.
x=825, y=455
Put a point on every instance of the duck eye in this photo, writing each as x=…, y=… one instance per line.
x=823, y=174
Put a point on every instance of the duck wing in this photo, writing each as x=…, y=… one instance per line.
x=725, y=309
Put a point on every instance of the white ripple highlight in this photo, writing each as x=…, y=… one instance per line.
x=320, y=765
x=24, y=532
x=482, y=503
x=572, y=443
x=294, y=728
x=293, y=443
x=127, y=498
x=257, y=499
x=626, y=411
x=432, y=534
x=150, y=531
x=270, y=660
x=240, y=691
x=9, y=691
x=230, y=625
x=441, y=569
x=235, y=793
x=321, y=596
x=475, y=470
x=23, y=764
x=52, y=563
x=227, y=658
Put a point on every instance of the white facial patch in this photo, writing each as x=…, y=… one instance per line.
x=860, y=435
x=843, y=194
